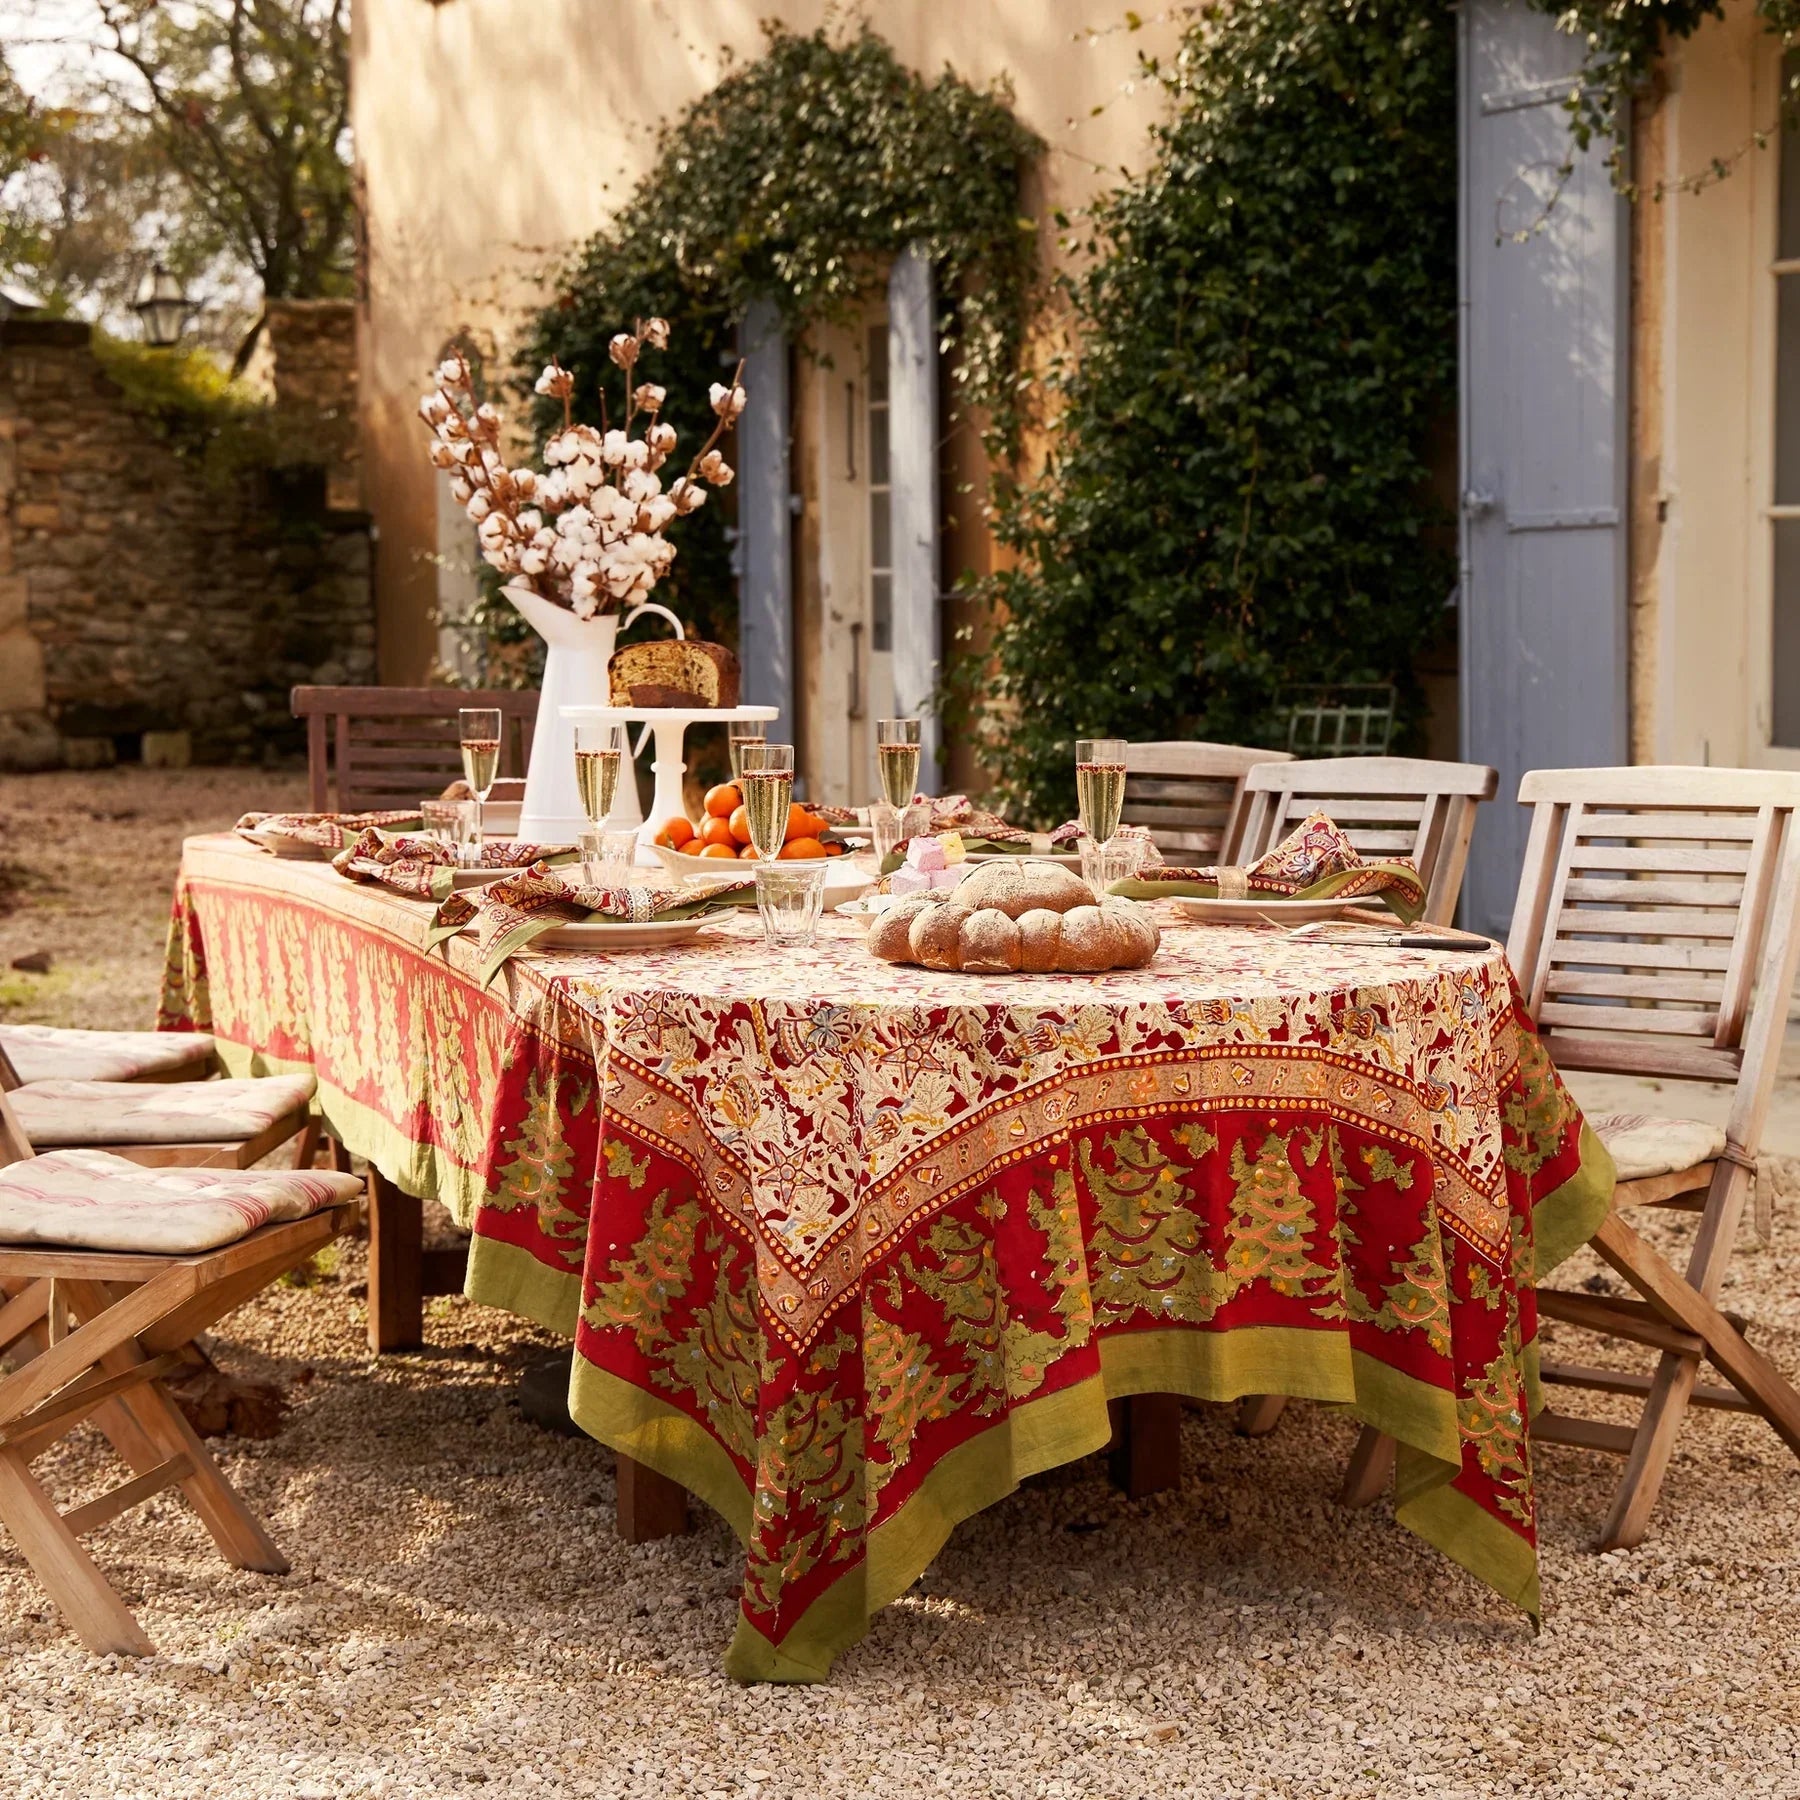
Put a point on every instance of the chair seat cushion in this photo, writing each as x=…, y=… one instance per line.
x=90, y=1200
x=1643, y=1145
x=60, y=1114
x=51, y=1053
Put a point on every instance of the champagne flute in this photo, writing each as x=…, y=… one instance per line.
x=478, y=728
x=897, y=760
x=1100, y=786
x=738, y=734
x=599, y=759
x=767, y=784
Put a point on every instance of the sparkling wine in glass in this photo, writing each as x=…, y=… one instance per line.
x=767, y=784
x=478, y=728
x=599, y=758
x=1100, y=786
x=897, y=760
x=740, y=733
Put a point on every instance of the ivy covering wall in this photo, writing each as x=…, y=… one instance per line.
x=1623, y=40
x=1235, y=494
x=797, y=179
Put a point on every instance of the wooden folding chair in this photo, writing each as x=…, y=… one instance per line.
x=1190, y=796
x=1386, y=805
x=369, y=748
x=190, y=1124
x=92, y=1334
x=1656, y=933
x=65, y=1053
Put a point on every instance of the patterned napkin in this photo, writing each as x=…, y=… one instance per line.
x=1066, y=840
x=327, y=831
x=427, y=866
x=1314, y=862
x=508, y=914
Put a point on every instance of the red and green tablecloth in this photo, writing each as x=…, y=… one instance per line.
x=848, y=1249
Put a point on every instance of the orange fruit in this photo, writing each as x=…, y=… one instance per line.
x=675, y=832
x=748, y=853
x=801, y=823
x=739, y=823
x=833, y=849
x=723, y=851
x=801, y=849
x=716, y=832
x=722, y=801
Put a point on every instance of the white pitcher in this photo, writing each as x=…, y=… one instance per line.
x=575, y=674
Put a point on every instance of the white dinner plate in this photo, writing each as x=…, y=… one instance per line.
x=621, y=934
x=294, y=849
x=1259, y=912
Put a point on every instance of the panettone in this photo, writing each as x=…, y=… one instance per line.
x=1013, y=916
x=684, y=672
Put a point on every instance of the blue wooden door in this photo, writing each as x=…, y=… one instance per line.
x=1544, y=435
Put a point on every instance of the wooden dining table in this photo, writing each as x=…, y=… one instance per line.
x=848, y=1249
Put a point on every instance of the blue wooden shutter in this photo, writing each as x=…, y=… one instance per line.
x=1544, y=435
x=765, y=518
x=913, y=448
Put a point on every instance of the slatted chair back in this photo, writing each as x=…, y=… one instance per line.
x=1387, y=806
x=371, y=748
x=1655, y=931
x=1189, y=796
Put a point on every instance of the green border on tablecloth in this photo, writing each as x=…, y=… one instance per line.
x=511, y=1278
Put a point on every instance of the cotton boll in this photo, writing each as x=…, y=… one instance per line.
x=637, y=454
x=479, y=506
x=714, y=468
x=443, y=456
x=451, y=372
x=649, y=397
x=525, y=480
x=623, y=349
x=655, y=333
x=656, y=514
x=460, y=489
x=660, y=438
x=613, y=447
x=640, y=485
x=689, y=496
x=532, y=560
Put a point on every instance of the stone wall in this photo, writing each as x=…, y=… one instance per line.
x=140, y=599
x=312, y=356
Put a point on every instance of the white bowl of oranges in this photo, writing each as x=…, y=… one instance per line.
x=723, y=835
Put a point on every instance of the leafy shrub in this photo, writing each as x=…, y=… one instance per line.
x=1234, y=497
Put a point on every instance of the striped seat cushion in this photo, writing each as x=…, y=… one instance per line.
x=59, y=1115
x=1643, y=1145
x=90, y=1200
x=51, y=1053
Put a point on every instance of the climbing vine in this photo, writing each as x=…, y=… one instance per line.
x=1623, y=40
x=796, y=180
x=1235, y=498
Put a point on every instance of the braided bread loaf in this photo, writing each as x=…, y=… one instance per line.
x=1013, y=916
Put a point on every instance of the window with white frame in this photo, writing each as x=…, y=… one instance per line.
x=1784, y=513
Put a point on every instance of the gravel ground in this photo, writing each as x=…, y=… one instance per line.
x=462, y=1621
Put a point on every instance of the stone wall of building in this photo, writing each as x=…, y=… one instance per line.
x=146, y=606
x=312, y=357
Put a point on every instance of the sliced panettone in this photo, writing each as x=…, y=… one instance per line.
x=671, y=672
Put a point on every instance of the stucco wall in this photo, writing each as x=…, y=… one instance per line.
x=494, y=137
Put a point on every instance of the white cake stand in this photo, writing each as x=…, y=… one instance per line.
x=668, y=724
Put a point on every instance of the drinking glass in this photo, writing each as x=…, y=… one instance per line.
x=1103, y=864
x=600, y=753
x=789, y=896
x=767, y=784
x=739, y=733
x=1100, y=786
x=452, y=823
x=478, y=728
x=897, y=760
x=607, y=857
